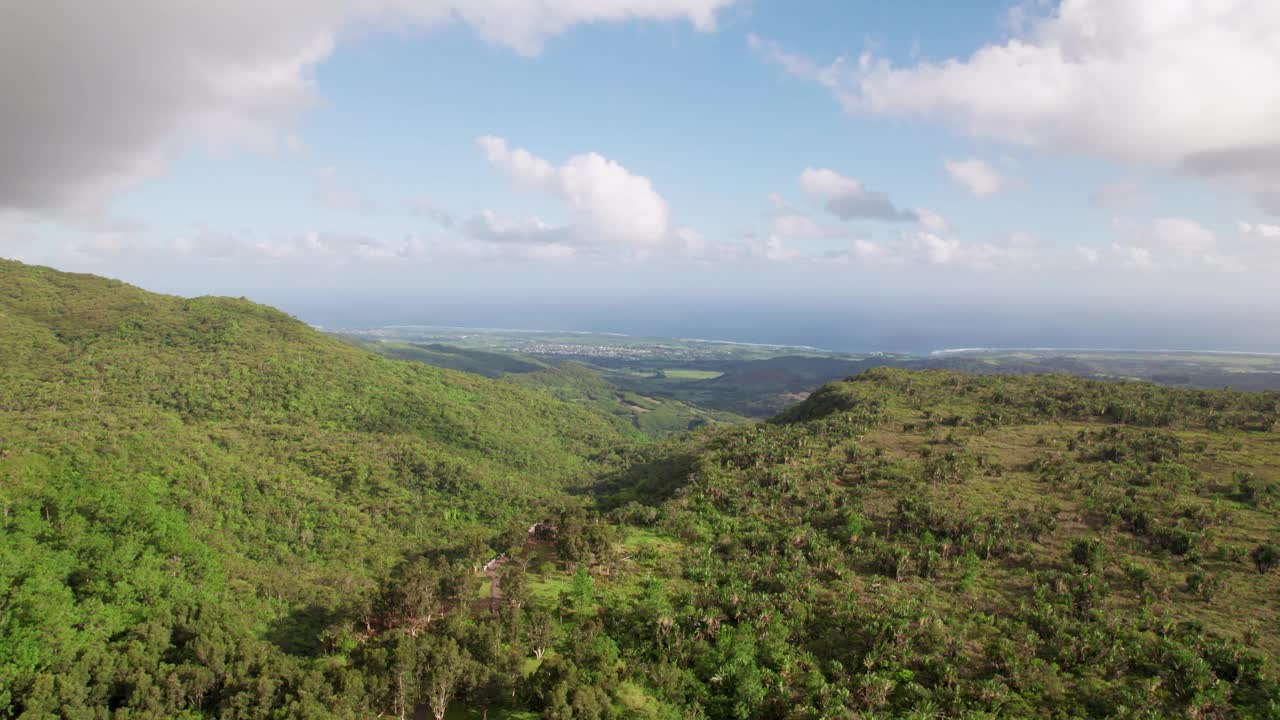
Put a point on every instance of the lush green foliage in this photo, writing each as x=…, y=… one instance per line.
x=480, y=362
x=211, y=510
x=633, y=412
x=932, y=544
x=188, y=485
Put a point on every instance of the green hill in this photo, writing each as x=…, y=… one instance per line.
x=930, y=544
x=184, y=477
x=208, y=509
x=632, y=412
x=480, y=362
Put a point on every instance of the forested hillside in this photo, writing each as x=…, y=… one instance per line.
x=211, y=510
x=635, y=413
x=930, y=544
x=190, y=485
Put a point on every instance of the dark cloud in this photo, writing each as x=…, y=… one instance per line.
x=1252, y=169
x=1234, y=161
x=868, y=206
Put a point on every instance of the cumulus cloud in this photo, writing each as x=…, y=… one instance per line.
x=931, y=220
x=613, y=204
x=311, y=246
x=1090, y=256
x=847, y=199
x=1172, y=243
x=485, y=237
x=100, y=94
x=1251, y=169
x=976, y=176
x=787, y=220
x=1260, y=231
x=488, y=226
x=1178, y=84
x=926, y=248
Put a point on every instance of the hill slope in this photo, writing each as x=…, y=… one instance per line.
x=480, y=362
x=948, y=545
x=634, y=413
x=216, y=471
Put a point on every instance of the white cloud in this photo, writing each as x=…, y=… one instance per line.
x=974, y=175
x=1258, y=247
x=847, y=199
x=488, y=226
x=1260, y=231
x=787, y=220
x=1133, y=258
x=1164, y=242
x=921, y=247
x=1090, y=256
x=1176, y=243
x=315, y=248
x=1181, y=84
x=691, y=241
x=1183, y=236
x=521, y=165
x=98, y=94
x=932, y=248
x=1018, y=250
x=613, y=204
x=776, y=250
x=932, y=221
x=865, y=251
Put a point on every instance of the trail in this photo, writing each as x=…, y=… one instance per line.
x=495, y=591
x=491, y=568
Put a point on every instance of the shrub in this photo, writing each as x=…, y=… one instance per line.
x=1205, y=586
x=1265, y=557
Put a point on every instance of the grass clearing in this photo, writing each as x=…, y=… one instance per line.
x=689, y=374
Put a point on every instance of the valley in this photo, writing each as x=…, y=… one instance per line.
x=742, y=380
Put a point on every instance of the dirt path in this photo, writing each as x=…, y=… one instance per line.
x=492, y=567
x=495, y=590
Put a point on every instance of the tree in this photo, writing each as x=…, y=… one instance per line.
x=582, y=591
x=542, y=632
x=443, y=669
x=495, y=667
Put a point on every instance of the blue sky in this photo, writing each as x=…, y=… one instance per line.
x=1029, y=150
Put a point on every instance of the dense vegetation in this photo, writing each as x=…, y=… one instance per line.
x=212, y=510
x=650, y=416
x=635, y=414
x=479, y=362
x=189, y=488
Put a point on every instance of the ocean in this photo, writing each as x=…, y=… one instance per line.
x=869, y=324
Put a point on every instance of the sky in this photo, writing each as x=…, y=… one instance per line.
x=1098, y=154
